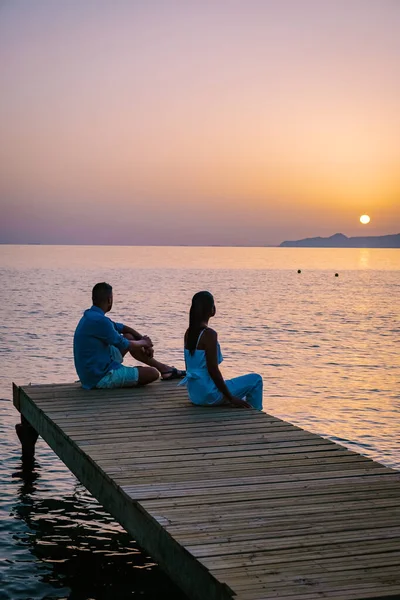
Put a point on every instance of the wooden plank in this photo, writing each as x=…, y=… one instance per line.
x=249, y=485
x=181, y=469
x=359, y=590
x=255, y=498
x=265, y=462
x=169, y=433
x=200, y=441
x=228, y=501
x=116, y=419
x=347, y=516
x=132, y=477
x=297, y=456
x=232, y=533
x=319, y=566
x=166, y=421
x=75, y=390
x=125, y=449
x=288, y=540
x=312, y=577
x=306, y=588
x=214, y=514
x=348, y=550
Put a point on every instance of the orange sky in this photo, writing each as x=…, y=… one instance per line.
x=214, y=122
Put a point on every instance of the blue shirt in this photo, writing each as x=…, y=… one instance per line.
x=93, y=337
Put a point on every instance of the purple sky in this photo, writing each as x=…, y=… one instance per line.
x=198, y=122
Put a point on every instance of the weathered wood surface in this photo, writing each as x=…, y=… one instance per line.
x=229, y=502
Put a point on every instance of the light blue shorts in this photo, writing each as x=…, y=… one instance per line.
x=119, y=378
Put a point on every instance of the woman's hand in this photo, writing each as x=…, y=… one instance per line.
x=238, y=402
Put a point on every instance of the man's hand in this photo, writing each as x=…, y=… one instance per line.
x=238, y=402
x=146, y=342
x=148, y=352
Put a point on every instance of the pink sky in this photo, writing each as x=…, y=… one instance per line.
x=198, y=122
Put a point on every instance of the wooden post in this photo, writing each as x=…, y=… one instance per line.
x=27, y=435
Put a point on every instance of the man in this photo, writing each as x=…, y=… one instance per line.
x=100, y=345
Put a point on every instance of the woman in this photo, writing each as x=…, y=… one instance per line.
x=204, y=381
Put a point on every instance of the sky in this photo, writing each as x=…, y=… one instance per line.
x=204, y=122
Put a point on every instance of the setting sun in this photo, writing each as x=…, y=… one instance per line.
x=364, y=219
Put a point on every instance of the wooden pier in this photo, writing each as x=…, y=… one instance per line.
x=230, y=503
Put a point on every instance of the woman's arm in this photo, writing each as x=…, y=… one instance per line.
x=210, y=342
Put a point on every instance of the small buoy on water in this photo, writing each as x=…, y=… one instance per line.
x=299, y=270
x=336, y=274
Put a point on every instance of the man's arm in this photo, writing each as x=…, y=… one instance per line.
x=136, y=335
x=121, y=328
x=107, y=332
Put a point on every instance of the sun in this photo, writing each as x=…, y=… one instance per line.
x=364, y=219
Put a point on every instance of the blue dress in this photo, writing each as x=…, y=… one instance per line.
x=202, y=389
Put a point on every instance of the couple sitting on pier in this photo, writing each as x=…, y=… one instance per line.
x=100, y=345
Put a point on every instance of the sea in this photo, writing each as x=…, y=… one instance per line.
x=325, y=339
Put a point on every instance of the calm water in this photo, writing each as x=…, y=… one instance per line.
x=326, y=346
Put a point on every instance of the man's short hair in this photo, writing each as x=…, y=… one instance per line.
x=101, y=293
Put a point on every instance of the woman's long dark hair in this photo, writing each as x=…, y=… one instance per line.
x=200, y=311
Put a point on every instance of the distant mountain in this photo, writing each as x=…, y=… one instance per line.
x=339, y=240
